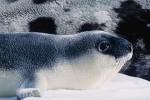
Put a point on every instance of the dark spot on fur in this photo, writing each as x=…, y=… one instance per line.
x=39, y=1
x=66, y=9
x=134, y=24
x=76, y=49
x=11, y=1
x=92, y=26
x=43, y=24
x=69, y=22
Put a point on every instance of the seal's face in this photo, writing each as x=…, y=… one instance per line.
x=105, y=55
x=110, y=54
x=114, y=46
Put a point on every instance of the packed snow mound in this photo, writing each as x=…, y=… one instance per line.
x=121, y=87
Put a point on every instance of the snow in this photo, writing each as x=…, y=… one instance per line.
x=121, y=87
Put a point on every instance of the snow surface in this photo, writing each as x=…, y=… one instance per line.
x=121, y=87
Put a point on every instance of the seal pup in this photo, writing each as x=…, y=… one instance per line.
x=31, y=63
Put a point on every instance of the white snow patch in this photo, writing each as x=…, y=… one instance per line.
x=121, y=87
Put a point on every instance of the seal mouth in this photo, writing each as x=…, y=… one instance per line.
x=123, y=53
x=129, y=56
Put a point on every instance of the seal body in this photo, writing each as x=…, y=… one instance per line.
x=31, y=63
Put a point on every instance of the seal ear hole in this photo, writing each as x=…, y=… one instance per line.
x=104, y=46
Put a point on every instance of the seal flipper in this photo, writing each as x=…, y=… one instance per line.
x=28, y=89
x=28, y=92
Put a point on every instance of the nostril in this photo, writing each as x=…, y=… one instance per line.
x=104, y=46
x=129, y=48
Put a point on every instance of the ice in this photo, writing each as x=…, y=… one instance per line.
x=121, y=87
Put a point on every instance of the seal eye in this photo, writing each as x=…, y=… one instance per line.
x=104, y=46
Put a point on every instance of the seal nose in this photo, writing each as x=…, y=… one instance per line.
x=123, y=47
x=129, y=47
x=126, y=45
